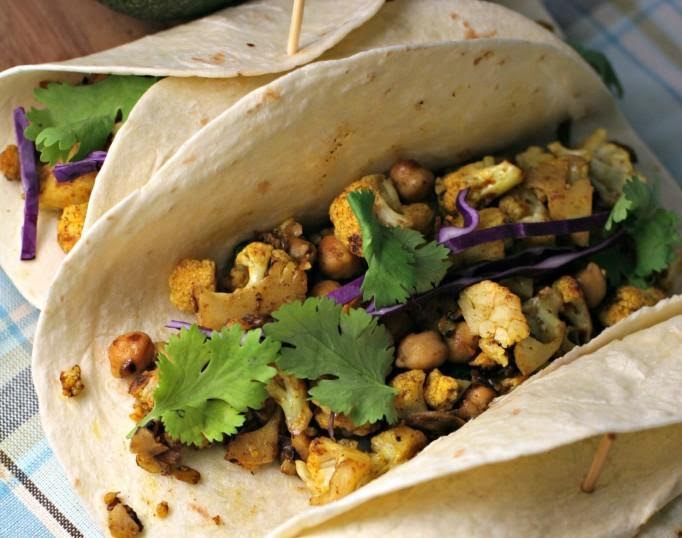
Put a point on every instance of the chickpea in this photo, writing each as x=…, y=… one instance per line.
x=476, y=400
x=422, y=351
x=593, y=284
x=462, y=343
x=413, y=182
x=335, y=260
x=131, y=353
x=324, y=288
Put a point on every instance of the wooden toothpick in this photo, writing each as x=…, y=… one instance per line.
x=598, y=462
x=295, y=28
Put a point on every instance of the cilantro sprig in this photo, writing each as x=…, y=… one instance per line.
x=601, y=64
x=400, y=261
x=206, y=385
x=81, y=116
x=348, y=354
x=653, y=233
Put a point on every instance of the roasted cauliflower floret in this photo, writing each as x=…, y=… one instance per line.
x=288, y=237
x=575, y=310
x=60, y=194
x=258, y=447
x=410, y=397
x=9, y=163
x=494, y=313
x=484, y=179
x=284, y=282
x=142, y=388
x=189, y=278
x=523, y=205
x=70, y=226
x=291, y=394
x=387, y=208
x=441, y=391
x=628, y=299
x=251, y=264
x=333, y=470
x=341, y=423
x=395, y=446
x=533, y=156
x=610, y=166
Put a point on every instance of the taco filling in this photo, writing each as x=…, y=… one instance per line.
x=61, y=147
x=342, y=351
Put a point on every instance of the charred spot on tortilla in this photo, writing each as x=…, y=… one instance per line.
x=483, y=56
x=71, y=382
x=546, y=25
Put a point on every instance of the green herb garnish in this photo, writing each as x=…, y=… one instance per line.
x=81, y=116
x=601, y=64
x=206, y=385
x=320, y=340
x=652, y=230
x=400, y=261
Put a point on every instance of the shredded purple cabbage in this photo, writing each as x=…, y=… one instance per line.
x=179, y=325
x=70, y=171
x=547, y=264
x=30, y=185
x=520, y=230
x=348, y=292
x=471, y=220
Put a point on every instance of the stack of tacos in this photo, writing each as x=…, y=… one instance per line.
x=352, y=170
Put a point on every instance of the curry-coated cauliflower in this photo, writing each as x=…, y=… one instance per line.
x=333, y=469
x=574, y=309
x=628, y=299
x=291, y=394
x=523, y=205
x=533, y=156
x=341, y=423
x=70, y=225
x=610, y=166
x=59, y=194
x=395, y=446
x=284, y=281
x=410, y=397
x=441, y=391
x=484, y=179
x=190, y=277
x=492, y=250
x=494, y=313
x=387, y=208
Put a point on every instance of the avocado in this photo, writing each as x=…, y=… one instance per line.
x=168, y=10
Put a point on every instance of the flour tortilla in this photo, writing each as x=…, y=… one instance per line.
x=197, y=101
x=214, y=46
x=438, y=104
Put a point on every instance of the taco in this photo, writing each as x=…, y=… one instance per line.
x=441, y=106
x=75, y=114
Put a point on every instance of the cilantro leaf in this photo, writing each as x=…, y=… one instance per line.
x=206, y=385
x=352, y=347
x=652, y=230
x=400, y=261
x=82, y=116
x=601, y=64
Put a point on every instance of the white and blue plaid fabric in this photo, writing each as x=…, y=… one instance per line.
x=643, y=39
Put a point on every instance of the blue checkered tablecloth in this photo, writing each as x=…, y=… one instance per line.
x=643, y=39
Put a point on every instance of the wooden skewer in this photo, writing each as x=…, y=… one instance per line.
x=295, y=28
x=598, y=462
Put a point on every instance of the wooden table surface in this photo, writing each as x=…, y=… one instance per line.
x=34, y=31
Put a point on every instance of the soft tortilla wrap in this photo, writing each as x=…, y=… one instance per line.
x=439, y=105
x=214, y=46
x=197, y=101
